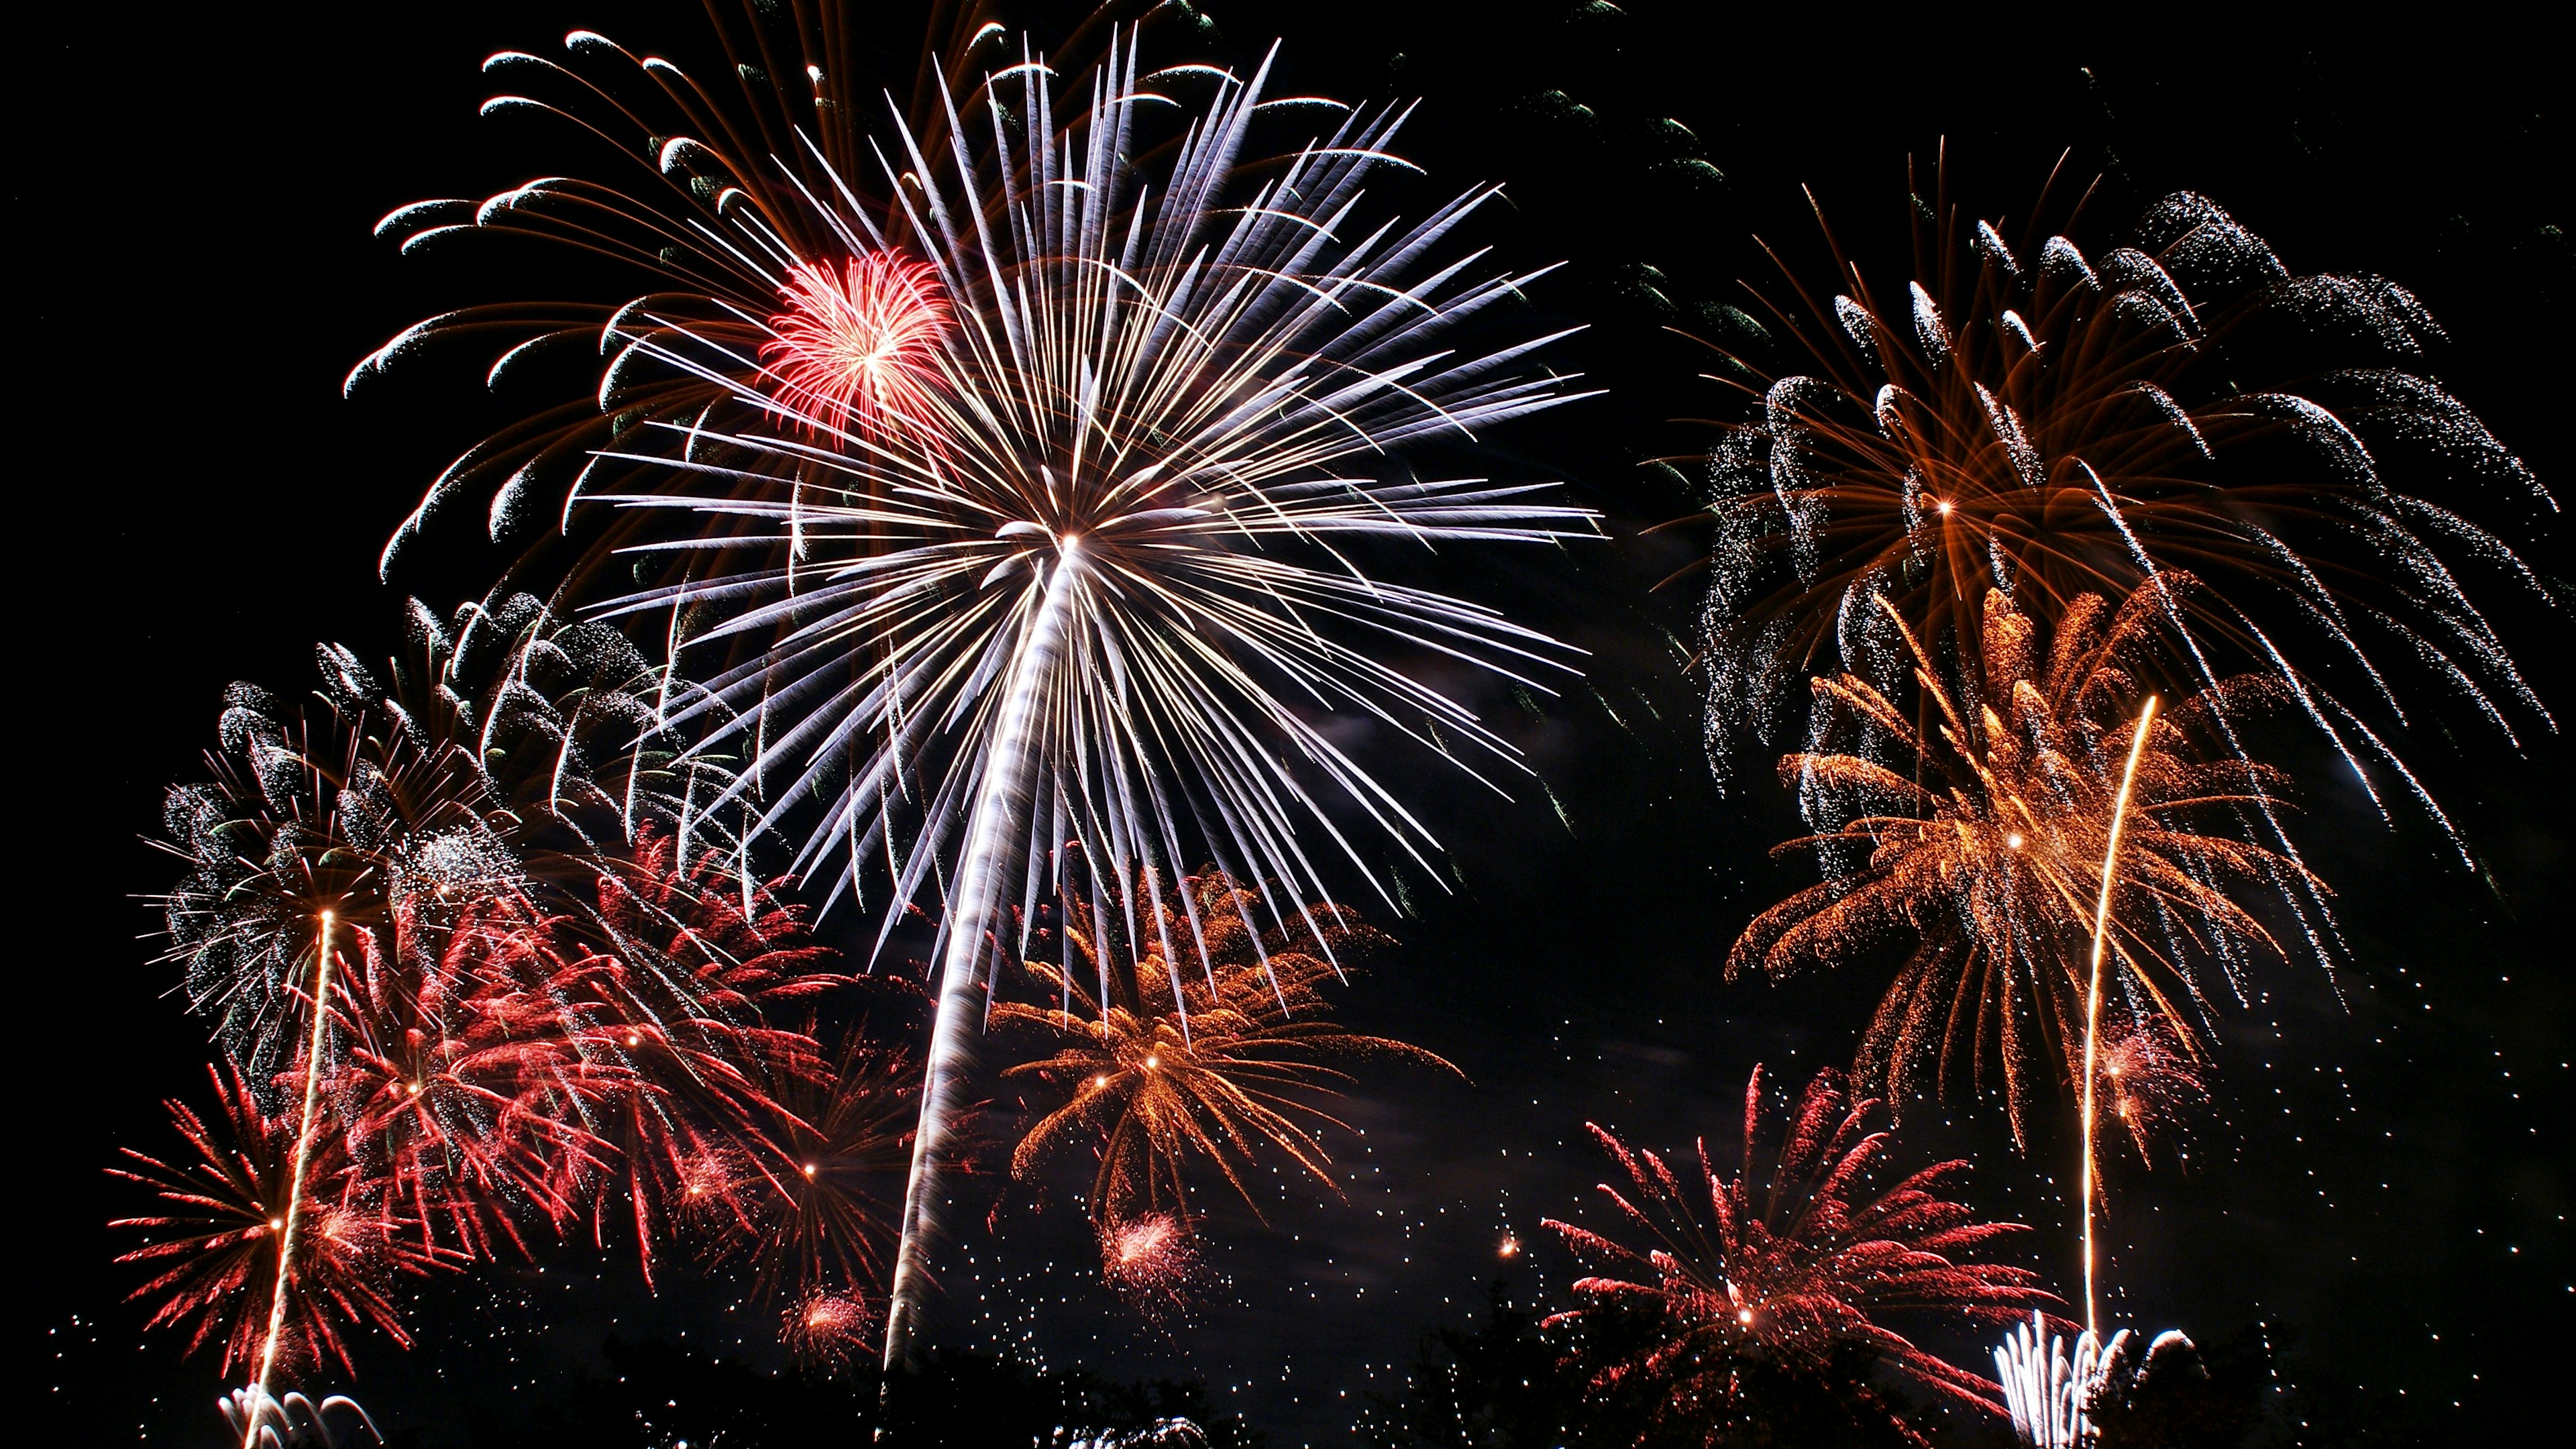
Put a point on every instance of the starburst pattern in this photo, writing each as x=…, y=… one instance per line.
x=1788, y=1259
x=1980, y=852
x=212, y=1241
x=859, y=351
x=1183, y=1035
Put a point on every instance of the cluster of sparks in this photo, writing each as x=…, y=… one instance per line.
x=516, y=1039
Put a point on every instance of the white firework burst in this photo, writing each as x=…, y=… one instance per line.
x=1097, y=581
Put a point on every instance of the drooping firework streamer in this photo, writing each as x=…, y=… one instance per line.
x=2093, y=991
x=1057, y=592
x=295, y=1183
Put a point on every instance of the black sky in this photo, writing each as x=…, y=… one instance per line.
x=2390, y=1175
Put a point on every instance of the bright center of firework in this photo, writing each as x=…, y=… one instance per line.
x=1140, y=1242
x=2013, y=841
x=1152, y=1062
x=859, y=347
x=1511, y=1246
x=1942, y=507
x=276, y=1224
x=1744, y=1315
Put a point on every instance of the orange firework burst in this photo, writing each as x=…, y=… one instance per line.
x=2026, y=418
x=1187, y=1033
x=859, y=350
x=213, y=1246
x=1787, y=1261
x=1986, y=854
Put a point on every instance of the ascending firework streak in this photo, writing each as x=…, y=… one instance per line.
x=295, y=1183
x=2093, y=988
x=1063, y=586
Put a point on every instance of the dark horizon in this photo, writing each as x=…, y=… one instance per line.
x=2386, y=1174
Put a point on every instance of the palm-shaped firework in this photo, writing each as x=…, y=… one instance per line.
x=1786, y=1262
x=1982, y=849
x=1079, y=557
x=1164, y=1062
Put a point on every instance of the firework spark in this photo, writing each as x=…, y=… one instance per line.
x=1184, y=1034
x=2035, y=421
x=1985, y=856
x=1786, y=1260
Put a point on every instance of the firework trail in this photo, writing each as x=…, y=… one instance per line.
x=1068, y=586
x=1788, y=1258
x=1983, y=847
x=2026, y=419
x=2139, y=734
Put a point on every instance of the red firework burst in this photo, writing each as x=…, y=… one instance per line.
x=827, y=1327
x=860, y=349
x=473, y=1073
x=1786, y=1264
x=213, y=1245
x=710, y=984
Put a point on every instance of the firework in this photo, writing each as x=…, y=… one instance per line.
x=1982, y=851
x=1074, y=599
x=2045, y=1390
x=827, y=1328
x=1184, y=1034
x=2028, y=419
x=535, y=1010
x=214, y=1244
x=809, y=1196
x=859, y=352
x=304, y=820
x=1787, y=1261
x=1151, y=1263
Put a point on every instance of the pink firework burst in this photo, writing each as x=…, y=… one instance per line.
x=1788, y=1261
x=828, y=1327
x=859, y=349
x=1152, y=1262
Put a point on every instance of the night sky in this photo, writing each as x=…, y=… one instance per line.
x=2386, y=1177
